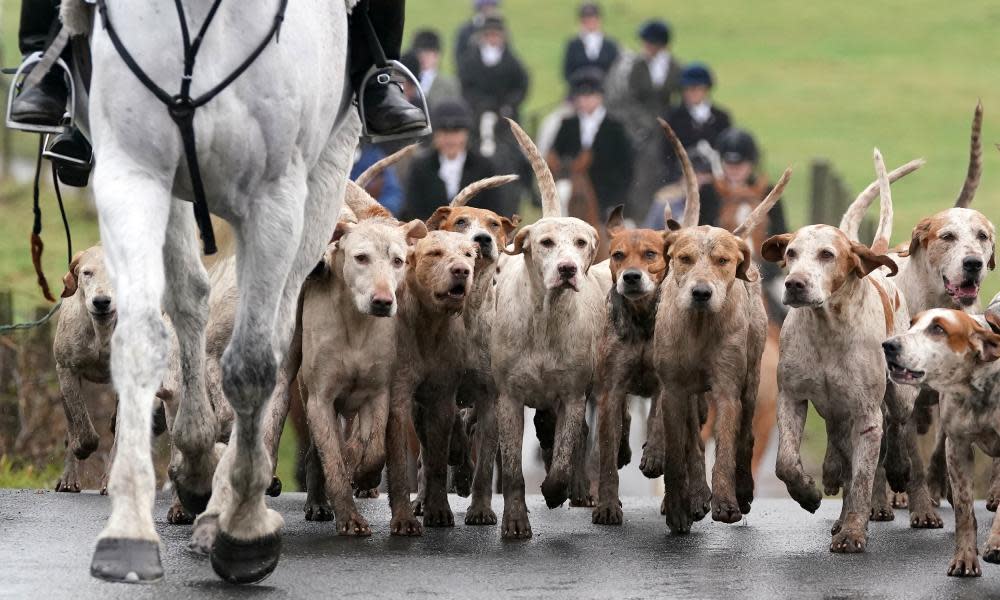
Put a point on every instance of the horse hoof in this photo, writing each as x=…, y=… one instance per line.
x=127, y=561
x=274, y=490
x=238, y=561
x=192, y=502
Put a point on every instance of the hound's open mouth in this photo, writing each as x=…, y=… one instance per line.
x=455, y=292
x=103, y=316
x=901, y=374
x=965, y=292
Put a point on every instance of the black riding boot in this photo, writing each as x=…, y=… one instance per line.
x=386, y=109
x=45, y=103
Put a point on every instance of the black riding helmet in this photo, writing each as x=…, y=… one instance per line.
x=736, y=145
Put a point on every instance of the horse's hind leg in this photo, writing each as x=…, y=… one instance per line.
x=186, y=303
x=134, y=212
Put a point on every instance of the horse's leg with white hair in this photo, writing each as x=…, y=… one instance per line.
x=186, y=303
x=134, y=209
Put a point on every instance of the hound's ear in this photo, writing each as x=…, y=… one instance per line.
x=993, y=258
x=919, y=235
x=521, y=242
x=993, y=320
x=745, y=270
x=71, y=276
x=438, y=218
x=986, y=343
x=507, y=226
x=773, y=248
x=595, y=241
x=342, y=229
x=672, y=225
x=616, y=221
x=866, y=261
x=414, y=230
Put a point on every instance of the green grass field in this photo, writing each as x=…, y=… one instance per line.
x=811, y=80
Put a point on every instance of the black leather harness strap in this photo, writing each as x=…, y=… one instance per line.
x=182, y=106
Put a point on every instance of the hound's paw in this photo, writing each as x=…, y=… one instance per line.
x=849, y=541
x=206, y=528
x=992, y=500
x=318, y=511
x=937, y=487
x=701, y=503
x=366, y=493
x=837, y=525
x=585, y=501
x=882, y=512
x=405, y=525
x=438, y=515
x=965, y=564
x=807, y=495
x=608, y=513
x=274, y=490
x=991, y=552
x=68, y=483
x=178, y=516
x=624, y=454
x=83, y=447
x=725, y=510
x=418, y=507
x=555, y=492
x=461, y=479
x=925, y=519
x=353, y=524
x=899, y=499
x=480, y=515
x=897, y=473
x=678, y=514
x=651, y=463
x=515, y=524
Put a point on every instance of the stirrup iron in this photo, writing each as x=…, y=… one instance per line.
x=69, y=118
x=400, y=68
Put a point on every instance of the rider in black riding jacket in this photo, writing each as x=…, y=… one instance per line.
x=387, y=110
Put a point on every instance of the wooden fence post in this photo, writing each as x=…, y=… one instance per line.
x=42, y=430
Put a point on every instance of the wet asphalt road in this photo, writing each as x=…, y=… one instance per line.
x=780, y=551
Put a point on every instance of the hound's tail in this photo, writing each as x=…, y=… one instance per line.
x=477, y=187
x=855, y=213
x=881, y=243
x=760, y=211
x=551, y=207
x=975, y=161
x=362, y=204
x=692, y=203
x=373, y=171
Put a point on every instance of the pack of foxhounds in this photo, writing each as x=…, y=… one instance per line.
x=430, y=338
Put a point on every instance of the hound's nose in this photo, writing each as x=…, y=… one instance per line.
x=483, y=239
x=794, y=285
x=460, y=272
x=102, y=303
x=972, y=264
x=891, y=347
x=382, y=303
x=567, y=270
x=631, y=277
x=701, y=293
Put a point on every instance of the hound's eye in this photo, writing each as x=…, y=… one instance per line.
x=825, y=254
x=581, y=243
x=982, y=236
x=494, y=225
x=547, y=243
x=618, y=255
x=936, y=329
x=435, y=253
x=397, y=262
x=723, y=261
x=790, y=253
x=469, y=254
x=361, y=259
x=461, y=222
x=686, y=259
x=947, y=236
x=650, y=255
x=88, y=273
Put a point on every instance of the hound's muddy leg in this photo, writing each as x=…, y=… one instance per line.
x=609, y=432
x=403, y=521
x=480, y=509
x=922, y=513
x=195, y=428
x=674, y=407
x=653, y=451
x=570, y=427
x=965, y=562
x=134, y=211
x=439, y=418
x=867, y=438
x=993, y=498
x=791, y=423
x=725, y=507
x=510, y=418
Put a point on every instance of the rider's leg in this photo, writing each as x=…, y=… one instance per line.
x=386, y=108
x=45, y=103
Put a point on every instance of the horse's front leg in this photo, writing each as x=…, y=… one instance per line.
x=134, y=211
